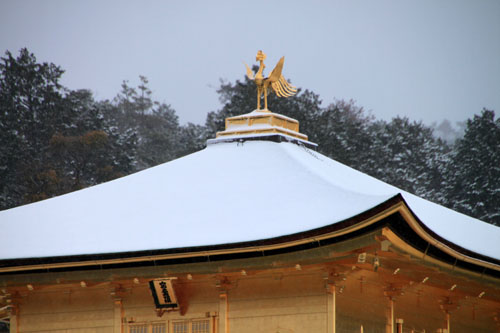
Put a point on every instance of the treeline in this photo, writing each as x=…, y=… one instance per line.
x=55, y=140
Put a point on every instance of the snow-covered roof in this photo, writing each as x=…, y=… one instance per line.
x=229, y=192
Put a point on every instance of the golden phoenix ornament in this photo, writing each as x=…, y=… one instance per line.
x=274, y=81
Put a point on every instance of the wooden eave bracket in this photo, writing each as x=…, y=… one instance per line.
x=182, y=297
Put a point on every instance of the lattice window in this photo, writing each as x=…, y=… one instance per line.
x=158, y=328
x=142, y=328
x=176, y=326
x=148, y=328
x=180, y=327
x=191, y=326
x=201, y=326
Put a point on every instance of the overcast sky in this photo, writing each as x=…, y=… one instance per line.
x=427, y=60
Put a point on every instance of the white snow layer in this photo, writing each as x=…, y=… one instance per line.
x=226, y=193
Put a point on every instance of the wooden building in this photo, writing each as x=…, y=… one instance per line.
x=256, y=233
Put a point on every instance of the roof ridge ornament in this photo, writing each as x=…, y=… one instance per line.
x=262, y=124
x=275, y=81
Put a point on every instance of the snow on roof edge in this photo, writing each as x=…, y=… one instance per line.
x=340, y=176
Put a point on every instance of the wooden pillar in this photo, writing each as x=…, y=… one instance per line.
x=399, y=325
x=389, y=325
x=448, y=304
x=118, y=315
x=14, y=319
x=223, y=313
x=331, y=317
x=392, y=291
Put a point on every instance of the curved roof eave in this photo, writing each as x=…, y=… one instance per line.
x=229, y=198
x=376, y=217
x=448, y=247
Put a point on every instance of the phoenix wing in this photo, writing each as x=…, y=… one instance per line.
x=279, y=84
x=250, y=74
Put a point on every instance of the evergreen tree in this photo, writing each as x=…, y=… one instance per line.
x=89, y=151
x=407, y=155
x=447, y=132
x=155, y=124
x=53, y=140
x=474, y=172
x=30, y=112
x=158, y=136
x=342, y=132
x=143, y=98
x=192, y=138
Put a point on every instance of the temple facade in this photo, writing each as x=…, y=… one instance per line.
x=258, y=232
